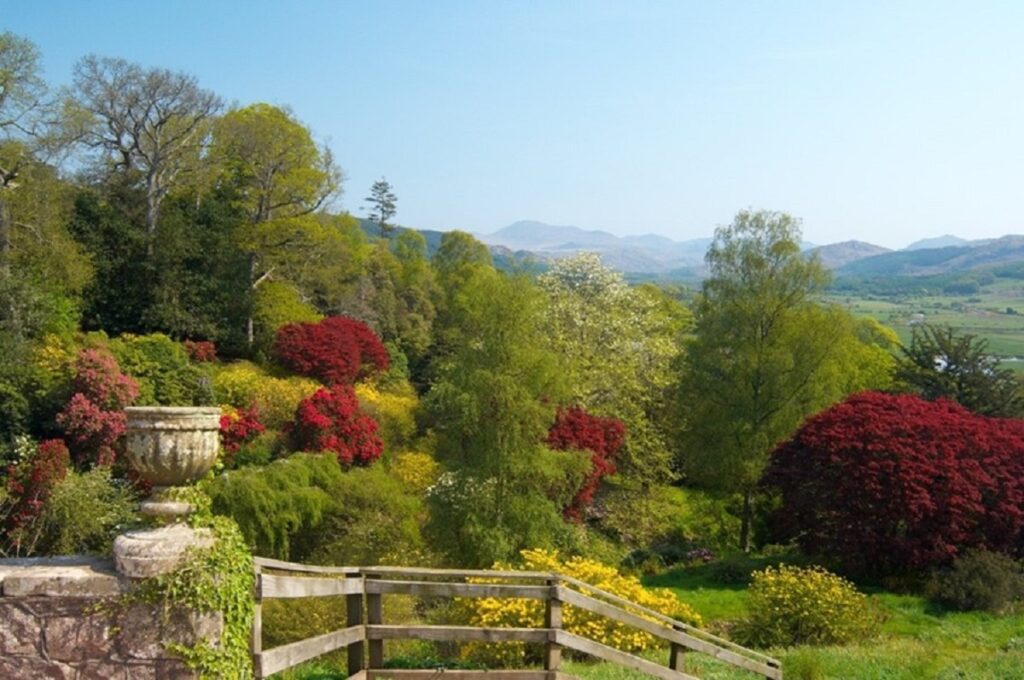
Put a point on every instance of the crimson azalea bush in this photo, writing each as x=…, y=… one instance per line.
x=29, y=485
x=335, y=350
x=201, y=351
x=575, y=429
x=240, y=426
x=885, y=484
x=330, y=420
x=93, y=419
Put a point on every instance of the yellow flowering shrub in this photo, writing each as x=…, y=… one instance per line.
x=417, y=471
x=393, y=409
x=243, y=383
x=793, y=605
x=510, y=613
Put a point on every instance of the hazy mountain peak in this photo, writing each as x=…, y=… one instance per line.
x=945, y=241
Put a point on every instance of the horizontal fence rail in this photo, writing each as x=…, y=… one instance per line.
x=363, y=588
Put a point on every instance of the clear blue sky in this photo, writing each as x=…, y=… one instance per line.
x=882, y=121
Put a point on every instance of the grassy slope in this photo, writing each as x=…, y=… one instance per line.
x=918, y=642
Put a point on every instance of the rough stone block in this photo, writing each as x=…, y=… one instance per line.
x=78, y=638
x=28, y=668
x=20, y=631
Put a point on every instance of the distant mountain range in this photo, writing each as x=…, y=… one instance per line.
x=650, y=256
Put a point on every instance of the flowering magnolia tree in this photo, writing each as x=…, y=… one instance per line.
x=335, y=350
x=330, y=420
x=575, y=429
x=890, y=483
x=94, y=418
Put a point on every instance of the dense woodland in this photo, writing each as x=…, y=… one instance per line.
x=386, y=404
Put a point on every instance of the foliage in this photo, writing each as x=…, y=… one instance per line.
x=291, y=620
x=94, y=420
x=890, y=483
x=200, y=351
x=335, y=350
x=239, y=427
x=30, y=482
x=331, y=420
x=575, y=429
x=215, y=579
x=979, y=579
x=280, y=504
x=616, y=346
x=243, y=384
x=417, y=471
x=277, y=304
x=84, y=512
x=764, y=356
x=491, y=405
x=394, y=409
x=941, y=363
x=161, y=369
x=505, y=612
x=383, y=200
x=373, y=521
x=792, y=605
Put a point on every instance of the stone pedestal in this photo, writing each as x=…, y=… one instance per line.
x=151, y=552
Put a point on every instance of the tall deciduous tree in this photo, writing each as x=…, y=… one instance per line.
x=279, y=177
x=616, y=346
x=763, y=357
x=492, y=405
x=942, y=363
x=382, y=202
x=146, y=122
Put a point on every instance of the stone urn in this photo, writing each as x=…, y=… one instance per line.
x=168, y=446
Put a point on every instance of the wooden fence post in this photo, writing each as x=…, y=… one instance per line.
x=354, y=605
x=256, y=635
x=375, y=617
x=553, y=622
x=675, y=654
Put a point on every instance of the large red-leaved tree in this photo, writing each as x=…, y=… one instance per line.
x=575, y=429
x=335, y=350
x=330, y=420
x=884, y=484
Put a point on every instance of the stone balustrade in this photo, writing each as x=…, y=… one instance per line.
x=60, y=618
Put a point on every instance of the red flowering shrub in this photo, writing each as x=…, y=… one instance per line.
x=201, y=351
x=335, y=350
x=240, y=427
x=884, y=483
x=93, y=419
x=28, y=486
x=576, y=429
x=330, y=420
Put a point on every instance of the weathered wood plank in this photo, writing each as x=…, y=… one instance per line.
x=459, y=573
x=375, y=617
x=596, y=649
x=729, y=656
x=434, y=589
x=669, y=621
x=354, y=616
x=361, y=675
x=308, y=568
x=286, y=656
x=433, y=674
x=457, y=633
x=553, y=621
x=274, y=586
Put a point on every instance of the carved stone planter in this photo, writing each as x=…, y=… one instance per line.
x=168, y=447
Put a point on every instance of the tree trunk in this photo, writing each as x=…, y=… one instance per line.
x=746, y=520
x=250, y=334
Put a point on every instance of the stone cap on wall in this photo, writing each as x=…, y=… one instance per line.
x=65, y=576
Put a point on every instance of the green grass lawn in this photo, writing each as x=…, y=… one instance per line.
x=918, y=642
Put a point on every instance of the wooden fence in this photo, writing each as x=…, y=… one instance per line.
x=365, y=631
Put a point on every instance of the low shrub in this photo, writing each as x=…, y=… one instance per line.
x=30, y=482
x=417, y=471
x=331, y=420
x=84, y=512
x=201, y=351
x=602, y=438
x=495, y=612
x=394, y=409
x=335, y=350
x=793, y=605
x=239, y=427
x=161, y=368
x=979, y=580
x=243, y=384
